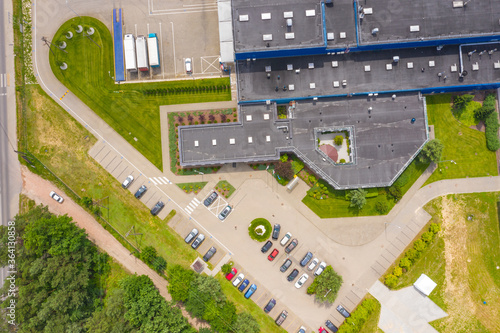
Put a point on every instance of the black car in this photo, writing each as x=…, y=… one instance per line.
x=286, y=265
x=293, y=244
x=331, y=327
x=306, y=259
x=270, y=305
x=157, y=208
x=293, y=275
x=343, y=311
x=140, y=192
x=276, y=231
x=210, y=253
x=266, y=247
x=208, y=201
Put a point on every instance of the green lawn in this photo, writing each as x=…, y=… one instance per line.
x=462, y=260
x=371, y=325
x=336, y=204
x=463, y=145
x=61, y=143
x=130, y=109
x=225, y=188
x=192, y=187
x=266, y=323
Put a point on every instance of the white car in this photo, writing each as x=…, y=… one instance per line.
x=188, y=65
x=300, y=282
x=238, y=279
x=285, y=239
x=320, y=269
x=126, y=183
x=313, y=264
x=56, y=197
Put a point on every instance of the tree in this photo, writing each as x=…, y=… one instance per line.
x=488, y=107
x=382, y=207
x=427, y=237
x=327, y=285
x=434, y=228
x=148, y=255
x=395, y=192
x=226, y=268
x=431, y=152
x=159, y=264
x=179, y=280
x=284, y=170
x=461, y=101
x=338, y=140
x=391, y=281
x=111, y=318
x=245, y=323
x=405, y=263
x=358, y=198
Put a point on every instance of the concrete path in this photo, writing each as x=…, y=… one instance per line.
x=405, y=310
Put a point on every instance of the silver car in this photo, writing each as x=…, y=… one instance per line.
x=126, y=183
x=225, y=212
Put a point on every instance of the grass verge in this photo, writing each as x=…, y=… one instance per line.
x=371, y=324
x=462, y=145
x=224, y=188
x=192, y=187
x=266, y=323
x=259, y=222
x=130, y=109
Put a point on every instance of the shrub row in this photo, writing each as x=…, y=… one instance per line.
x=150, y=257
x=181, y=90
x=491, y=124
x=412, y=255
x=358, y=318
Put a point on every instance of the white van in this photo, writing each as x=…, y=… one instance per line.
x=188, y=65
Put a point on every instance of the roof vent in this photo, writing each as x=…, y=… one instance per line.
x=266, y=16
x=243, y=18
x=311, y=12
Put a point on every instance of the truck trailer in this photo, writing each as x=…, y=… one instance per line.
x=142, y=53
x=129, y=50
x=154, y=56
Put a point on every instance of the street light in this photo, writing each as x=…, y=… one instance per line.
x=200, y=173
x=327, y=292
x=452, y=161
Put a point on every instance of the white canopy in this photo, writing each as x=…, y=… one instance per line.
x=425, y=285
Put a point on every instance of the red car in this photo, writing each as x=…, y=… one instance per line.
x=322, y=330
x=231, y=274
x=273, y=255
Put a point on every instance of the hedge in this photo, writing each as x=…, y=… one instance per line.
x=358, y=318
x=492, y=125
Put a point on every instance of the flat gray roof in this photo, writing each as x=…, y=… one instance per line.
x=430, y=20
x=262, y=26
x=340, y=20
x=373, y=71
x=384, y=142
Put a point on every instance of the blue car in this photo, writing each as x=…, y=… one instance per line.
x=250, y=291
x=243, y=285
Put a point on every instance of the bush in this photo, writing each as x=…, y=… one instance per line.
x=405, y=263
x=419, y=245
x=338, y=140
x=431, y=152
x=226, y=268
x=434, y=228
x=488, y=107
x=284, y=158
x=412, y=254
x=259, y=222
x=391, y=281
x=358, y=198
x=382, y=207
x=459, y=102
x=427, y=237
x=395, y=192
x=397, y=272
x=342, y=160
x=492, y=125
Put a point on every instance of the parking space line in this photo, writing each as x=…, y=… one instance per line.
x=173, y=47
x=151, y=179
x=161, y=50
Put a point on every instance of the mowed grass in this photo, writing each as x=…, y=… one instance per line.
x=61, y=143
x=463, y=261
x=337, y=206
x=463, y=145
x=266, y=323
x=371, y=325
x=125, y=107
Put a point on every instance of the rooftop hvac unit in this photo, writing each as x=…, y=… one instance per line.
x=289, y=22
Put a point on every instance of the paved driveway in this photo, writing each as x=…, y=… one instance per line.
x=405, y=310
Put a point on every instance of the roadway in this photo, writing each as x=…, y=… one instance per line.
x=10, y=173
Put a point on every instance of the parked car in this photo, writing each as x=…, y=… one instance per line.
x=238, y=279
x=343, y=311
x=243, y=285
x=306, y=259
x=225, y=212
x=293, y=244
x=320, y=268
x=210, y=253
x=266, y=247
x=197, y=242
x=126, y=183
x=157, y=208
x=293, y=275
x=281, y=318
x=56, y=197
x=286, y=265
x=250, y=291
x=276, y=231
x=313, y=264
x=140, y=192
x=188, y=66
x=273, y=255
x=331, y=327
x=189, y=238
x=300, y=282
x=285, y=239
x=270, y=305
x=322, y=330
x=211, y=198
x=302, y=330
x=231, y=274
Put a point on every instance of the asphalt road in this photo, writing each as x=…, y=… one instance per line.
x=10, y=174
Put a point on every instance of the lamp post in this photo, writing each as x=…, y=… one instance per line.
x=200, y=173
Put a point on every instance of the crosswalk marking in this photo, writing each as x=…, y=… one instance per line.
x=198, y=201
x=167, y=181
x=3, y=80
x=192, y=206
x=154, y=182
x=159, y=180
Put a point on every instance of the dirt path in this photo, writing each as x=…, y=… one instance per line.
x=38, y=189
